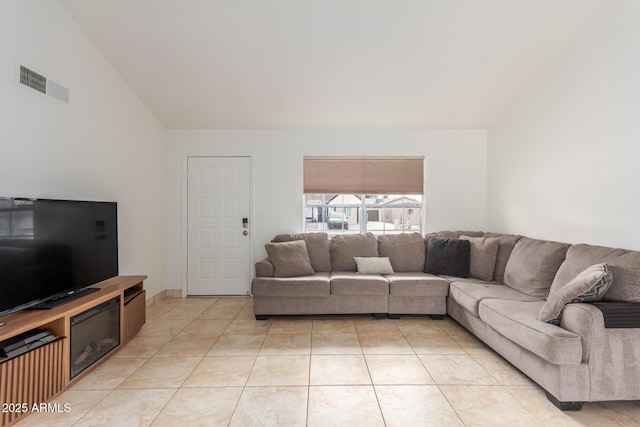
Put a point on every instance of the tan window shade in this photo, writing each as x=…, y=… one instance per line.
x=364, y=175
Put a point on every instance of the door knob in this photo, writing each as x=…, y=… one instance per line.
x=245, y=233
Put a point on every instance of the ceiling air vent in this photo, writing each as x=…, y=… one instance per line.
x=42, y=84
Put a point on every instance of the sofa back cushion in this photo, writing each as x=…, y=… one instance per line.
x=533, y=265
x=484, y=251
x=317, y=246
x=346, y=246
x=506, y=243
x=624, y=265
x=405, y=251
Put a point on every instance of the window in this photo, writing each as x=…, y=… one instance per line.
x=361, y=213
x=328, y=208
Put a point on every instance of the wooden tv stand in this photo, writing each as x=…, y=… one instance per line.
x=39, y=374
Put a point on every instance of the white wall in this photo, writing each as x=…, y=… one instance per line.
x=564, y=163
x=455, y=175
x=105, y=146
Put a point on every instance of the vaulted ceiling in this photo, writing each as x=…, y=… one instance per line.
x=264, y=64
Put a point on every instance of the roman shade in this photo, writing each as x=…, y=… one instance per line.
x=363, y=175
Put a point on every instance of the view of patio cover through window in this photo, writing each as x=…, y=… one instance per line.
x=362, y=194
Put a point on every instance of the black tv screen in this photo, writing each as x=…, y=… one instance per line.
x=50, y=248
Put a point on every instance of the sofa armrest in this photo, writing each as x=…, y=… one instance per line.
x=264, y=268
x=585, y=321
x=613, y=354
x=620, y=314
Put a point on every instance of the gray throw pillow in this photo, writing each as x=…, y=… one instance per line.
x=449, y=257
x=317, y=246
x=483, y=255
x=289, y=259
x=373, y=265
x=590, y=285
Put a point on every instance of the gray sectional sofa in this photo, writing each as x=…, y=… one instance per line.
x=590, y=352
x=336, y=287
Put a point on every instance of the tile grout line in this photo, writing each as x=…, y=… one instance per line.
x=306, y=415
x=165, y=405
x=434, y=380
x=244, y=387
x=309, y=380
x=202, y=359
x=450, y=404
x=375, y=392
x=92, y=408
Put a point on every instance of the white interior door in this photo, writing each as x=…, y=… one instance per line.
x=218, y=242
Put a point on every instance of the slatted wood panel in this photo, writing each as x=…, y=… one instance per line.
x=34, y=377
x=134, y=316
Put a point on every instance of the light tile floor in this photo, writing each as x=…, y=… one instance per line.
x=208, y=362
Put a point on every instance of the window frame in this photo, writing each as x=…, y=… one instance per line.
x=321, y=209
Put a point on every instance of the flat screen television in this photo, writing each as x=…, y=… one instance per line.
x=53, y=248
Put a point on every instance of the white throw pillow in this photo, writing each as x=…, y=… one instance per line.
x=373, y=265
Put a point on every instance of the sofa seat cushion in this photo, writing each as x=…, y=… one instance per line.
x=469, y=280
x=352, y=283
x=518, y=321
x=407, y=284
x=317, y=285
x=468, y=294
